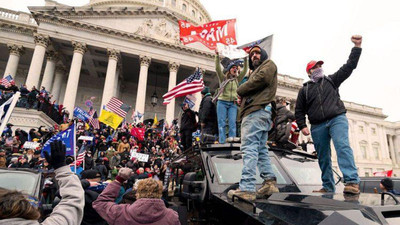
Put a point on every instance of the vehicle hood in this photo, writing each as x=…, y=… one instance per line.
x=331, y=199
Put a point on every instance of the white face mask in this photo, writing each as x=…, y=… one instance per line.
x=317, y=74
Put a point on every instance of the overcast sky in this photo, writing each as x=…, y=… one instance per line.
x=320, y=30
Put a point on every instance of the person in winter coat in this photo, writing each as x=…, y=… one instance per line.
x=148, y=209
x=257, y=100
x=208, y=113
x=386, y=185
x=89, y=161
x=227, y=97
x=188, y=126
x=319, y=99
x=284, y=122
x=123, y=145
x=16, y=209
x=90, y=216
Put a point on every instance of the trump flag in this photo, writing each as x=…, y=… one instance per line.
x=209, y=34
x=67, y=137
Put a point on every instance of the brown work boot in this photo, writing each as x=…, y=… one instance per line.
x=267, y=189
x=322, y=190
x=352, y=188
x=249, y=196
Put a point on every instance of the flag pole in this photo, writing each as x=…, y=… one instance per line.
x=74, y=145
x=9, y=111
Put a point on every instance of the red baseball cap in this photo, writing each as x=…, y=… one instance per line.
x=313, y=63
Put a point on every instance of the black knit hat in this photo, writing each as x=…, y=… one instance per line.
x=387, y=183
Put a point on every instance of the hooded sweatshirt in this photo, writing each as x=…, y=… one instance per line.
x=146, y=211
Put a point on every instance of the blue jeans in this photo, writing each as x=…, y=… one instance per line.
x=336, y=129
x=255, y=127
x=226, y=110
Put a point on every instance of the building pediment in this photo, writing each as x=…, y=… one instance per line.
x=155, y=26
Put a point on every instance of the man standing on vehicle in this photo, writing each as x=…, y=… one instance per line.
x=319, y=98
x=257, y=99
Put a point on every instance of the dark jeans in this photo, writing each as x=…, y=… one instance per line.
x=186, y=139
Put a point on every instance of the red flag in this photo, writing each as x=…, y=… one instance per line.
x=138, y=132
x=222, y=31
x=387, y=173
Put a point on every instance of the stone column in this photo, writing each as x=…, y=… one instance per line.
x=116, y=84
x=73, y=77
x=58, y=80
x=35, y=69
x=12, y=65
x=173, y=70
x=48, y=75
x=392, y=151
x=111, y=78
x=142, y=84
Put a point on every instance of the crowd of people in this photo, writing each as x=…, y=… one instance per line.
x=40, y=100
x=103, y=156
x=116, y=185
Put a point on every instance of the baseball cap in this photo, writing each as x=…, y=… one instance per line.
x=313, y=63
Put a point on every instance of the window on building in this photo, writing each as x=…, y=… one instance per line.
x=373, y=131
x=363, y=149
x=361, y=129
x=193, y=13
x=184, y=7
x=201, y=19
x=376, y=149
x=173, y=3
x=368, y=172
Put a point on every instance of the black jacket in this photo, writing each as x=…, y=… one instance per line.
x=321, y=100
x=208, y=113
x=188, y=120
x=283, y=115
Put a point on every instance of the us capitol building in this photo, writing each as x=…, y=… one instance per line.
x=131, y=49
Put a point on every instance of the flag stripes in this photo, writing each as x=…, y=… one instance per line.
x=118, y=107
x=194, y=83
x=6, y=81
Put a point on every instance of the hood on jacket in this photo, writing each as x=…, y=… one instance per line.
x=264, y=56
x=148, y=210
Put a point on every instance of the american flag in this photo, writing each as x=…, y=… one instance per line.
x=80, y=157
x=194, y=83
x=118, y=107
x=94, y=120
x=6, y=81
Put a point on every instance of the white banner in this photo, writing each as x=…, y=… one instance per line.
x=140, y=156
x=85, y=138
x=31, y=145
x=230, y=52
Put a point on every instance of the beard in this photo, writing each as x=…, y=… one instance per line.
x=256, y=63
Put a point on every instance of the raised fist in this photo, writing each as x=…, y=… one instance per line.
x=356, y=39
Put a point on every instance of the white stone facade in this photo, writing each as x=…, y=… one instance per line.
x=131, y=49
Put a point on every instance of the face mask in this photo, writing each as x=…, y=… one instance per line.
x=317, y=74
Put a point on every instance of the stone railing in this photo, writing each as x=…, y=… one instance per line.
x=290, y=80
x=17, y=16
x=364, y=109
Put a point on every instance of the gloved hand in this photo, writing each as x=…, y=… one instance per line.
x=57, y=157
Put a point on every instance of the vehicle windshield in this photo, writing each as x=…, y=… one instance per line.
x=304, y=171
x=229, y=171
x=24, y=182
